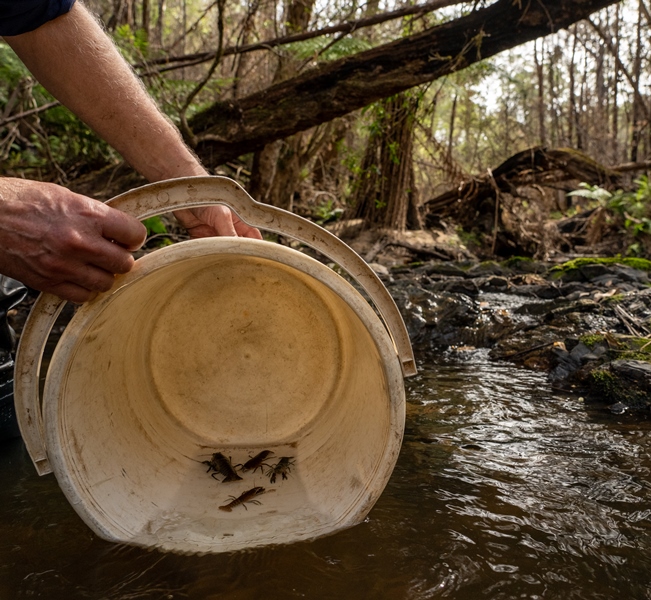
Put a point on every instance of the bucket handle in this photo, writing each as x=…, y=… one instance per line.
x=176, y=194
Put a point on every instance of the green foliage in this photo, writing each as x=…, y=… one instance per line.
x=170, y=95
x=327, y=212
x=468, y=238
x=154, y=225
x=633, y=206
x=133, y=44
x=54, y=141
x=592, y=192
x=157, y=232
x=12, y=71
x=319, y=47
x=615, y=299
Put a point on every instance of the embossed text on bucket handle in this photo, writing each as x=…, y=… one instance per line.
x=176, y=194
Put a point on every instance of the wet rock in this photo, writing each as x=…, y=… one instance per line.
x=494, y=283
x=455, y=286
x=623, y=382
x=580, y=351
x=592, y=271
x=571, y=328
x=624, y=273
x=487, y=268
x=590, y=357
x=544, y=291
x=635, y=371
x=566, y=365
x=581, y=305
x=619, y=408
x=574, y=289
x=445, y=269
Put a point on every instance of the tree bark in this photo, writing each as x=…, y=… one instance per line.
x=573, y=125
x=286, y=159
x=227, y=130
x=383, y=194
x=638, y=103
x=615, y=91
x=542, y=132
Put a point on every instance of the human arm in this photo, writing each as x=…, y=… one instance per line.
x=77, y=63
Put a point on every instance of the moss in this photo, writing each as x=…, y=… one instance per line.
x=615, y=299
x=607, y=385
x=592, y=339
x=640, y=342
x=632, y=355
x=484, y=264
x=515, y=261
x=642, y=264
x=468, y=238
x=603, y=377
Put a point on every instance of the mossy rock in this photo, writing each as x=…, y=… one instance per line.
x=567, y=268
x=622, y=381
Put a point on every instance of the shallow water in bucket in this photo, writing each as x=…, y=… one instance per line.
x=503, y=489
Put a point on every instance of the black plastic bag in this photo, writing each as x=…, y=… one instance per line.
x=11, y=293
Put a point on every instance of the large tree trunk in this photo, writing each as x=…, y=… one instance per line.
x=382, y=195
x=283, y=161
x=228, y=130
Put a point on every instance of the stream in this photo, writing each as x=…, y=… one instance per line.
x=504, y=489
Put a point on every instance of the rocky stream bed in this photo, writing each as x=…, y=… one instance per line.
x=587, y=322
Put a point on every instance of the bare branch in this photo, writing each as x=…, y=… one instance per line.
x=632, y=166
x=29, y=113
x=335, y=88
x=609, y=44
x=185, y=128
x=345, y=28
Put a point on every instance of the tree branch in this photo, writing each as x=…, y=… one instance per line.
x=345, y=28
x=29, y=113
x=336, y=88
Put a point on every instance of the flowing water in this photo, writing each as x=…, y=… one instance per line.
x=503, y=489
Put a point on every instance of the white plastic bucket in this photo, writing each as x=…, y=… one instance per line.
x=220, y=345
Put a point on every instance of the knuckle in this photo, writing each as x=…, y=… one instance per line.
x=70, y=241
x=123, y=264
x=104, y=285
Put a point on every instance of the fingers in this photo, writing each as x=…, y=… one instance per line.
x=123, y=229
x=244, y=230
x=59, y=242
x=221, y=218
x=72, y=293
x=215, y=220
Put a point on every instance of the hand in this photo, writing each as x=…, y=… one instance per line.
x=56, y=241
x=208, y=221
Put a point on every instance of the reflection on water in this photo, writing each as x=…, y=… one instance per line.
x=503, y=489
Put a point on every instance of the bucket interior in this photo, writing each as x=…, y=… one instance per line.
x=234, y=347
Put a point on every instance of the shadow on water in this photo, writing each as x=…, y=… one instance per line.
x=503, y=489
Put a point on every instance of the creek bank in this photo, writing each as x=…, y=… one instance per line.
x=587, y=323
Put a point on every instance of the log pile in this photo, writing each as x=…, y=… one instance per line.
x=508, y=208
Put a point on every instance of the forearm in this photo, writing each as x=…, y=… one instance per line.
x=77, y=62
x=79, y=65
